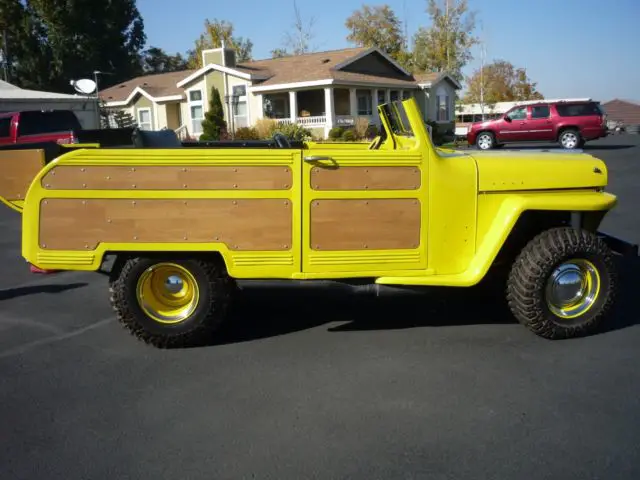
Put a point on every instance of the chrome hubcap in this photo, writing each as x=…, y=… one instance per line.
x=572, y=288
x=569, y=140
x=484, y=142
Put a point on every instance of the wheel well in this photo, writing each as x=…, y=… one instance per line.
x=120, y=258
x=567, y=127
x=533, y=222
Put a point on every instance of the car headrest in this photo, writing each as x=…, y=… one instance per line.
x=156, y=139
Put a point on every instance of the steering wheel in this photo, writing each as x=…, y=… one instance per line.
x=281, y=140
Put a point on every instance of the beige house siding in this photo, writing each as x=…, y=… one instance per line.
x=161, y=117
x=140, y=103
x=172, y=112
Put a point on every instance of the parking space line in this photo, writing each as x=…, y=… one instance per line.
x=57, y=338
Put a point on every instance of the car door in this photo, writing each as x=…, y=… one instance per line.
x=540, y=124
x=513, y=127
x=364, y=211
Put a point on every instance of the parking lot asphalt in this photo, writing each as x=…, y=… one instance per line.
x=314, y=383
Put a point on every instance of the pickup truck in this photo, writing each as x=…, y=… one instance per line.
x=182, y=223
x=38, y=126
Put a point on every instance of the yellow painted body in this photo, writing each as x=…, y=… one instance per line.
x=470, y=202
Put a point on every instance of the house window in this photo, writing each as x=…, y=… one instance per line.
x=394, y=95
x=365, y=102
x=406, y=94
x=381, y=97
x=144, y=119
x=195, y=96
x=240, y=117
x=197, y=116
x=196, y=111
x=443, y=105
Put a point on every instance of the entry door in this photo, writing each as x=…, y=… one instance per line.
x=516, y=130
x=364, y=212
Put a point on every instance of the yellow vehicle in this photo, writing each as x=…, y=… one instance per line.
x=185, y=221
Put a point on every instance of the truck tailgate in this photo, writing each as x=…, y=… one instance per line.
x=17, y=170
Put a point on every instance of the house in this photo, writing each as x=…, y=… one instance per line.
x=623, y=111
x=317, y=90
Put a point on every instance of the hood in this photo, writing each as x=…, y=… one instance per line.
x=538, y=170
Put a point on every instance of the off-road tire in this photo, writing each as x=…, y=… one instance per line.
x=536, y=262
x=570, y=131
x=490, y=135
x=216, y=292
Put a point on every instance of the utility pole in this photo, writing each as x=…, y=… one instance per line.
x=482, y=56
x=4, y=57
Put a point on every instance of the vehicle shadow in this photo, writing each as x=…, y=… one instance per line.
x=264, y=312
x=11, y=293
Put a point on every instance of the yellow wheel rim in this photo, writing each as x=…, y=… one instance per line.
x=168, y=293
x=573, y=288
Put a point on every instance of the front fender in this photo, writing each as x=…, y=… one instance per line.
x=501, y=226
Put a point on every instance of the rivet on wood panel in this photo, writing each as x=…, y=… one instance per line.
x=235, y=247
x=84, y=202
x=134, y=185
x=184, y=186
x=46, y=185
x=135, y=237
x=317, y=247
x=286, y=202
x=86, y=246
x=235, y=203
x=235, y=185
x=286, y=185
x=184, y=169
x=366, y=203
x=415, y=202
x=133, y=169
x=108, y=177
x=185, y=202
x=285, y=246
x=133, y=203
x=184, y=238
x=235, y=170
x=84, y=185
x=366, y=170
x=53, y=172
x=366, y=187
x=366, y=246
x=217, y=238
x=44, y=245
x=82, y=169
x=108, y=220
x=46, y=201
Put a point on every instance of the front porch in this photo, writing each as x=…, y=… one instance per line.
x=328, y=107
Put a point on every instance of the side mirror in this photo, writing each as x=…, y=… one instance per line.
x=507, y=118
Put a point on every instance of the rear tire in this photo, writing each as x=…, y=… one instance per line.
x=485, y=141
x=146, y=296
x=570, y=139
x=539, y=289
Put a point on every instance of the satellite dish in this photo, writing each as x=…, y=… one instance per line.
x=85, y=86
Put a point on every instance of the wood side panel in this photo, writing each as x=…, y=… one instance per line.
x=376, y=224
x=244, y=224
x=18, y=168
x=71, y=177
x=365, y=178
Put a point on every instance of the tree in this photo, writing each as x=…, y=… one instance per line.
x=214, y=126
x=445, y=46
x=27, y=58
x=216, y=33
x=501, y=82
x=156, y=60
x=379, y=27
x=87, y=35
x=279, y=53
x=297, y=41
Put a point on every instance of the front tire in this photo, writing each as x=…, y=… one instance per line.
x=485, y=141
x=563, y=284
x=171, y=302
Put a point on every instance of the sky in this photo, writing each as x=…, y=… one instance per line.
x=571, y=48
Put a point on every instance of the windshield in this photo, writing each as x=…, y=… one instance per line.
x=397, y=117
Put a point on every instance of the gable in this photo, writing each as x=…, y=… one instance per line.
x=375, y=64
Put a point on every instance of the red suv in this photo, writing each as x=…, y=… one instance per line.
x=569, y=123
x=38, y=126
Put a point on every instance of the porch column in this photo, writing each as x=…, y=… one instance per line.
x=329, y=110
x=260, y=113
x=387, y=96
x=293, y=106
x=374, y=106
x=353, y=102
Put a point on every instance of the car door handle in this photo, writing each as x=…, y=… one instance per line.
x=316, y=158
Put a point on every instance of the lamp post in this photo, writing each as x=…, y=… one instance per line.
x=231, y=101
